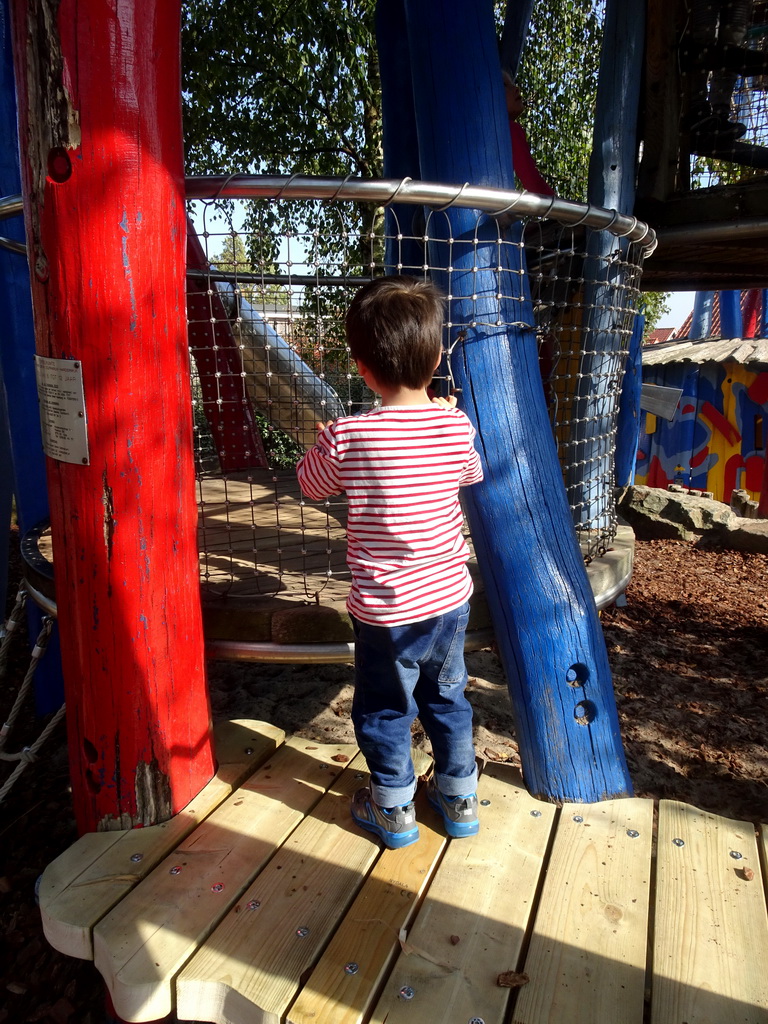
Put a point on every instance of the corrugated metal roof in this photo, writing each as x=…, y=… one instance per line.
x=746, y=351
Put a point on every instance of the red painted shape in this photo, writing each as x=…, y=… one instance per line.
x=758, y=389
x=697, y=459
x=753, y=472
x=220, y=366
x=688, y=408
x=720, y=423
x=730, y=473
x=108, y=258
x=656, y=475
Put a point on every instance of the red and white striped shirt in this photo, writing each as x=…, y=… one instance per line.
x=401, y=467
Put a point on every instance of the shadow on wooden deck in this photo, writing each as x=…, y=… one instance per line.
x=262, y=901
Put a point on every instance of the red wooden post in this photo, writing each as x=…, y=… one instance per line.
x=102, y=169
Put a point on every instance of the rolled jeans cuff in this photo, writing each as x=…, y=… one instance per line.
x=398, y=796
x=449, y=785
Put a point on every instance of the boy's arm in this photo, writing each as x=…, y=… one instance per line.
x=318, y=469
x=473, y=471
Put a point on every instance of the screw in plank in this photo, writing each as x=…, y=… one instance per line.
x=485, y=803
x=175, y=870
x=351, y=967
x=217, y=887
x=632, y=833
x=302, y=932
x=678, y=842
x=406, y=992
x=252, y=905
x=136, y=857
x=248, y=751
x=578, y=819
x=535, y=814
x=736, y=855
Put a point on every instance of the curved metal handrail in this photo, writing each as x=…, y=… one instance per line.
x=493, y=201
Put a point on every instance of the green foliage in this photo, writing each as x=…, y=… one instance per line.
x=558, y=78
x=654, y=306
x=283, y=87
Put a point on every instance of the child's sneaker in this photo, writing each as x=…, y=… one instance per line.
x=396, y=827
x=459, y=812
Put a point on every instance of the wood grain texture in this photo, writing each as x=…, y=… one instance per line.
x=143, y=943
x=483, y=894
x=369, y=935
x=711, y=932
x=89, y=878
x=250, y=968
x=586, y=960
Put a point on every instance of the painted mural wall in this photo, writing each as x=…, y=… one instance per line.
x=716, y=442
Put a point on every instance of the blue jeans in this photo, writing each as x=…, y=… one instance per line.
x=402, y=672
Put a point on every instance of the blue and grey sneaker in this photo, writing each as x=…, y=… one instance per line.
x=395, y=826
x=459, y=812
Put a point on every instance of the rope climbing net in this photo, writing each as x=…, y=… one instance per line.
x=273, y=265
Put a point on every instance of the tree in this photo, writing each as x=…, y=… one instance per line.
x=285, y=87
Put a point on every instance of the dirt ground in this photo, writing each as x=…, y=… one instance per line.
x=688, y=655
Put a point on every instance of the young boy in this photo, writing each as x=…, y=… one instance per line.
x=402, y=465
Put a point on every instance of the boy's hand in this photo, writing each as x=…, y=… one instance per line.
x=321, y=426
x=446, y=403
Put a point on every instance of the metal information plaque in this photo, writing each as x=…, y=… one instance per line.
x=62, y=409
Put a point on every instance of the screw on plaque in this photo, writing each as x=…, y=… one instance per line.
x=136, y=857
x=175, y=870
x=406, y=992
x=302, y=932
x=632, y=833
x=678, y=842
x=351, y=967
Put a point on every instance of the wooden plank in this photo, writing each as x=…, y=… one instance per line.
x=141, y=945
x=587, y=956
x=710, y=945
x=250, y=969
x=483, y=894
x=89, y=878
x=368, y=937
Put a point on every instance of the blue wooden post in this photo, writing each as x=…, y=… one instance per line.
x=400, y=142
x=730, y=314
x=17, y=348
x=701, y=320
x=628, y=422
x=516, y=21
x=545, y=620
x=606, y=332
x=763, y=329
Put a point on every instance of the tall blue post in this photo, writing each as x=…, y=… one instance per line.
x=731, y=325
x=606, y=330
x=628, y=421
x=546, y=624
x=701, y=320
x=17, y=349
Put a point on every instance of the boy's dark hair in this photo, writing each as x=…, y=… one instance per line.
x=394, y=325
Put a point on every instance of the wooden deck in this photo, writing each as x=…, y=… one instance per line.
x=263, y=902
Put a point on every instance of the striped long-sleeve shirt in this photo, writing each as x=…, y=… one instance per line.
x=401, y=467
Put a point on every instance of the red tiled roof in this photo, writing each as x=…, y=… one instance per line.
x=661, y=334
